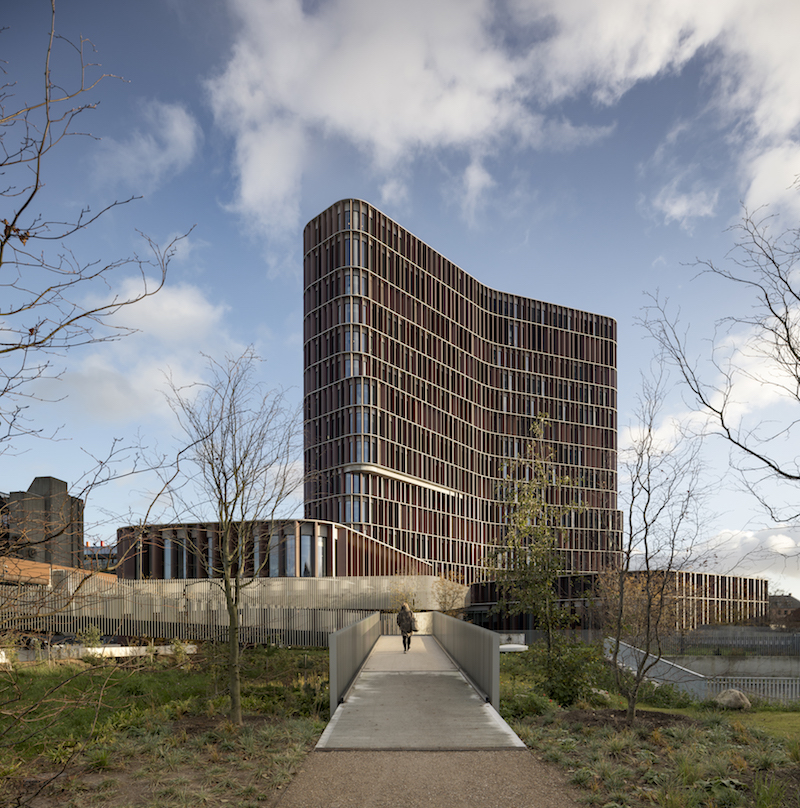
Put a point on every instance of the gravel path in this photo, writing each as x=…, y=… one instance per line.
x=503, y=779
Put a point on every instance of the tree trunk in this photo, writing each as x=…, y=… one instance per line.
x=234, y=665
x=633, y=695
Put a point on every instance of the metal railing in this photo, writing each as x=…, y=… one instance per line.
x=660, y=670
x=475, y=650
x=771, y=688
x=286, y=611
x=740, y=641
x=349, y=647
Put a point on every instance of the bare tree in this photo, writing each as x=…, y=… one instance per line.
x=756, y=353
x=242, y=469
x=450, y=594
x=661, y=488
x=44, y=285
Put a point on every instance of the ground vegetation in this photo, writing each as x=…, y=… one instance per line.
x=677, y=754
x=92, y=732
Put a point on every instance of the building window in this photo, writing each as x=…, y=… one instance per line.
x=289, y=544
x=274, y=556
x=306, y=545
x=322, y=554
x=167, y=558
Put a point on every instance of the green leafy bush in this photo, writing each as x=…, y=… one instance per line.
x=520, y=705
x=569, y=672
x=665, y=696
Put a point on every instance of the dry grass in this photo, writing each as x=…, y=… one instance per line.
x=669, y=760
x=161, y=736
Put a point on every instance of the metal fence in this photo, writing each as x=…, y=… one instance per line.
x=756, y=642
x=529, y=637
x=772, y=688
x=283, y=611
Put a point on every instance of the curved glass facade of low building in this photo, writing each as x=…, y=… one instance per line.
x=420, y=383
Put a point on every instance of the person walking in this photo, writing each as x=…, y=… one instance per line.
x=405, y=620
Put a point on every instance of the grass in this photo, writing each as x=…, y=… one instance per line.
x=678, y=766
x=782, y=723
x=105, y=734
x=687, y=756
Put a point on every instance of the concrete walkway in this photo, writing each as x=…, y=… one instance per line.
x=415, y=701
x=412, y=732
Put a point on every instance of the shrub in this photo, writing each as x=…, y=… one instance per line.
x=522, y=704
x=665, y=696
x=569, y=672
x=89, y=637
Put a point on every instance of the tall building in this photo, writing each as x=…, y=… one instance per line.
x=420, y=384
x=43, y=524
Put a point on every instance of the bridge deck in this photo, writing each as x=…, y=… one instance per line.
x=415, y=701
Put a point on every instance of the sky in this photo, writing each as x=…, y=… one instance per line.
x=586, y=154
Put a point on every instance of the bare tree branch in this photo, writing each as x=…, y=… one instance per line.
x=755, y=353
x=664, y=498
x=243, y=468
x=52, y=300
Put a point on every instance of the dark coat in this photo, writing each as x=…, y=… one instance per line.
x=405, y=620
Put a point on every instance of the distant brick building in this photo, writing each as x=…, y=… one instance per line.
x=43, y=524
x=781, y=609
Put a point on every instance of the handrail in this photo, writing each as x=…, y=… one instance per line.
x=349, y=647
x=475, y=650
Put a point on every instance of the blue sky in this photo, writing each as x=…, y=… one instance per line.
x=577, y=152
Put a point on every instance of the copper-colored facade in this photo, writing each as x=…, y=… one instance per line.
x=276, y=549
x=420, y=383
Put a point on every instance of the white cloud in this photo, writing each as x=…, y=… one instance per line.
x=179, y=314
x=684, y=206
x=392, y=79
x=751, y=61
x=773, y=175
x=606, y=48
x=394, y=191
x=476, y=183
x=268, y=162
x=753, y=382
x=773, y=553
x=120, y=381
x=402, y=80
x=164, y=146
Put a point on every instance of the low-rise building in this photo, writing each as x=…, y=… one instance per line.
x=276, y=549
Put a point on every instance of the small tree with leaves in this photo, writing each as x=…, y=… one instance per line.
x=529, y=563
x=450, y=594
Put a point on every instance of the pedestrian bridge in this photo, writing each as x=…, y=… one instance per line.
x=422, y=700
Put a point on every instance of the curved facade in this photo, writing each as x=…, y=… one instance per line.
x=420, y=382
x=268, y=549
